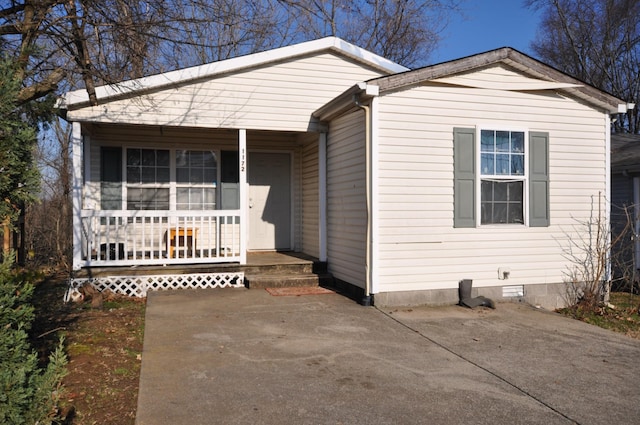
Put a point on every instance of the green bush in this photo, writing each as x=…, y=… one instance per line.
x=29, y=394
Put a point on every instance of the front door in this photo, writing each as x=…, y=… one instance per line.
x=269, y=177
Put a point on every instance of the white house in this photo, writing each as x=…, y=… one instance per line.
x=403, y=181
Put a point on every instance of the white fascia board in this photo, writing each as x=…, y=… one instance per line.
x=623, y=108
x=367, y=56
x=369, y=89
x=233, y=64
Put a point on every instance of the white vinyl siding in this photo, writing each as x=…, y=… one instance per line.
x=346, y=202
x=276, y=97
x=419, y=248
x=310, y=212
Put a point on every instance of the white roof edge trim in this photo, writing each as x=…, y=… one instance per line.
x=195, y=72
x=623, y=108
x=368, y=56
x=368, y=89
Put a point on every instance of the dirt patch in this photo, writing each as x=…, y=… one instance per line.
x=104, y=347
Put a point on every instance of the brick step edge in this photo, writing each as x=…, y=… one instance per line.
x=287, y=281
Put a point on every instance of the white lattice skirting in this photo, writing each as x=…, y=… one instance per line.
x=138, y=286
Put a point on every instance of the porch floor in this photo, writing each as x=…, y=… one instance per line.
x=257, y=262
x=264, y=270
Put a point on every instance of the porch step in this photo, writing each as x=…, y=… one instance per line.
x=261, y=281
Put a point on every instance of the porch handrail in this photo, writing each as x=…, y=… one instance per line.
x=148, y=237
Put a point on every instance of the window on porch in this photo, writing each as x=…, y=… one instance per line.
x=168, y=179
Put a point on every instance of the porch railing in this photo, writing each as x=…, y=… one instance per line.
x=118, y=238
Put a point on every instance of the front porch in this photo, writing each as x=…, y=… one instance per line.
x=262, y=270
x=158, y=196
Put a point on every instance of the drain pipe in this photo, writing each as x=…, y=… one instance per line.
x=366, y=300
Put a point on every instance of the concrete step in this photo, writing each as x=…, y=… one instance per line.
x=261, y=281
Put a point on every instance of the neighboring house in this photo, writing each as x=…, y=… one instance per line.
x=625, y=206
x=404, y=182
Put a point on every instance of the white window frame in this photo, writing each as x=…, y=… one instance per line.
x=126, y=184
x=182, y=185
x=172, y=185
x=480, y=177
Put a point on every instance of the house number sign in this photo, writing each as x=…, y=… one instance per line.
x=242, y=161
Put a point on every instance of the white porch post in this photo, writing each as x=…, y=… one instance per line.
x=244, y=195
x=322, y=196
x=77, y=186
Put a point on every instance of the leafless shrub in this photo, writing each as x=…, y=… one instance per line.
x=589, y=251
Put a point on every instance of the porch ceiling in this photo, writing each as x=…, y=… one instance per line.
x=133, y=130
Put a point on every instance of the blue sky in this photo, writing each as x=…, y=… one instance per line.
x=487, y=25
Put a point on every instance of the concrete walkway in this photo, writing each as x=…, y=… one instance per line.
x=238, y=356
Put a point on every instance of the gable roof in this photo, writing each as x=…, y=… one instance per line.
x=450, y=72
x=329, y=44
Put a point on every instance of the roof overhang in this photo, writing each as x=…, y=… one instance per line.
x=80, y=98
x=550, y=78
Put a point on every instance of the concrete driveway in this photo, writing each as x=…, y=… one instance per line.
x=239, y=356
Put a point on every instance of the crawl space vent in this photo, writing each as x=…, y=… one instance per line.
x=513, y=291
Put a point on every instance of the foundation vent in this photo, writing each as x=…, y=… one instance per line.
x=513, y=291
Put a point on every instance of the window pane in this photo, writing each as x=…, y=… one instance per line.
x=147, y=199
x=148, y=175
x=196, y=176
x=148, y=195
x=500, y=191
x=182, y=175
x=502, y=164
x=162, y=199
x=517, y=142
x=208, y=159
x=499, y=213
x=196, y=196
x=487, y=163
x=182, y=158
x=210, y=196
x=515, y=191
x=182, y=195
x=133, y=156
x=133, y=199
x=486, y=191
x=505, y=157
x=133, y=175
x=517, y=165
x=209, y=176
x=162, y=156
x=195, y=159
x=502, y=141
x=501, y=202
x=487, y=140
x=515, y=214
x=162, y=175
x=148, y=157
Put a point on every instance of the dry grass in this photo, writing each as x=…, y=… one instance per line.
x=623, y=317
